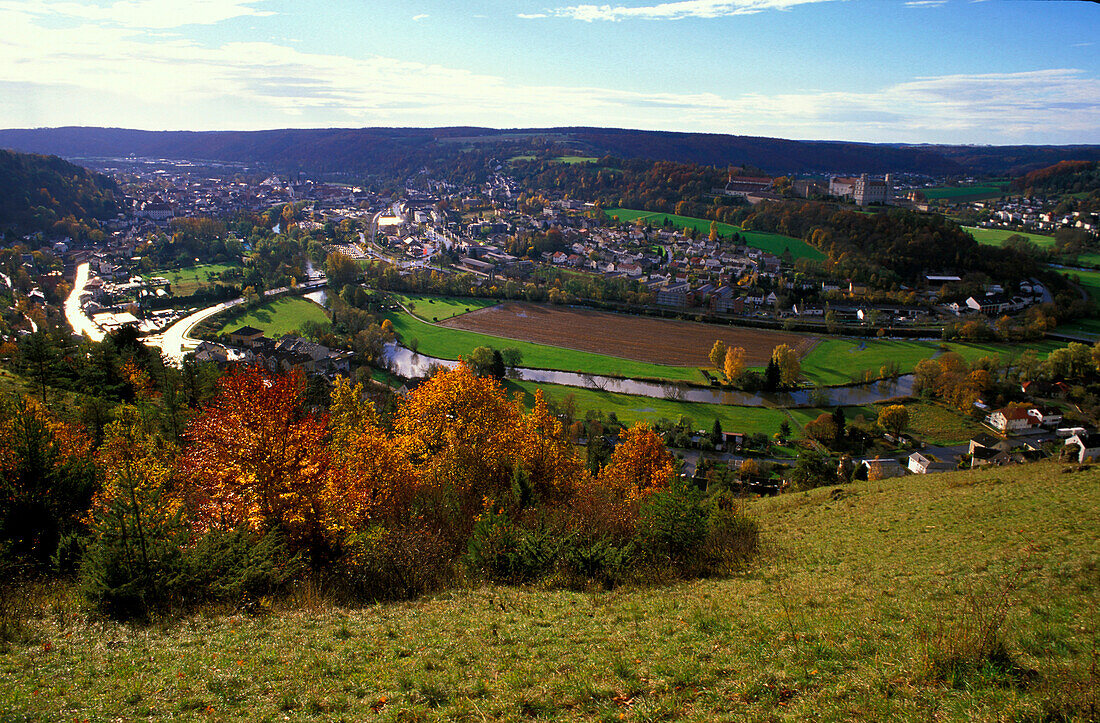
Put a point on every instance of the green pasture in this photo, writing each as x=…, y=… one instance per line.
x=997, y=236
x=978, y=192
x=1088, y=280
x=838, y=360
x=284, y=315
x=447, y=343
x=441, y=308
x=771, y=242
x=185, y=281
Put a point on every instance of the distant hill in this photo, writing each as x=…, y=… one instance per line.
x=1062, y=177
x=39, y=192
x=366, y=150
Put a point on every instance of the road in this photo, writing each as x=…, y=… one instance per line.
x=174, y=342
x=74, y=314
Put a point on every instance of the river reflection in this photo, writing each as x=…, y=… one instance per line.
x=410, y=364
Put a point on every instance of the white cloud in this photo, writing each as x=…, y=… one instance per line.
x=142, y=13
x=925, y=3
x=672, y=10
x=104, y=74
x=421, y=16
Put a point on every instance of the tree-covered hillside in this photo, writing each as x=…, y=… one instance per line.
x=47, y=193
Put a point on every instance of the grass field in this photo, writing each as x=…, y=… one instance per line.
x=936, y=425
x=770, y=242
x=867, y=602
x=839, y=360
x=630, y=408
x=976, y=192
x=185, y=281
x=446, y=343
x=997, y=236
x=281, y=316
x=441, y=308
x=1089, y=281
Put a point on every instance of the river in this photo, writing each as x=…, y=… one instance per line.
x=410, y=364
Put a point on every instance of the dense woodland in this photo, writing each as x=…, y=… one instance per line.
x=47, y=194
x=371, y=150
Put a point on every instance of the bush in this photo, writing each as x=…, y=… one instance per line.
x=600, y=559
x=731, y=535
x=672, y=524
x=241, y=567
x=237, y=566
x=399, y=563
x=503, y=551
x=123, y=587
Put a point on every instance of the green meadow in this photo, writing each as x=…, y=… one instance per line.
x=772, y=243
x=976, y=192
x=284, y=315
x=185, y=281
x=967, y=596
x=997, y=236
x=441, y=308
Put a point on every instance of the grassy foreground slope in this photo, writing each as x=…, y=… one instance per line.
x=866, y=603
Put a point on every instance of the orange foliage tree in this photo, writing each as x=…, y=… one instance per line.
x=468, y=439
x=256, y=457
x=640, y=465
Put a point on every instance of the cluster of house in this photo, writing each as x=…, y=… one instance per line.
x=1034, y=214
x=997, y=300
x=248, y=345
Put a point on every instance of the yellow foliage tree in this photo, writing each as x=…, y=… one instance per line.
x=734, y=363
x=790, y=368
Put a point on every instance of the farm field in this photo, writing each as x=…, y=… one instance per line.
x=440, y=308
x=657, y=341
x=281, y=316
x=185, y=281
x=772, y=243
x=445, y=342
x=864, y=604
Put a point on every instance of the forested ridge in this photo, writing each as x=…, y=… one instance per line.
x=47, y=193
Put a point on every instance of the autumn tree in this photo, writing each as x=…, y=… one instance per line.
x=640, y=464
x=46, y=481
x=894, y=418
x=734, y=363
x=256, y=457
x=341, y=270
x=136, y=517
x=790, y=368
x=823, y=429
x=467, y=439
x=718, y=354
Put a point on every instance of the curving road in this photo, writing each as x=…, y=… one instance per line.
x=74, y=313
x=175, y=341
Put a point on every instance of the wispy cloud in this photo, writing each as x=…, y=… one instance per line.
x=925, y=3
x=421, y=16
x=142, y=13
x=670, y=10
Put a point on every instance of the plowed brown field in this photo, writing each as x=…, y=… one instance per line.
x=658, y=341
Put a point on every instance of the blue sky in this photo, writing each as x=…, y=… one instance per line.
x=922, y=71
